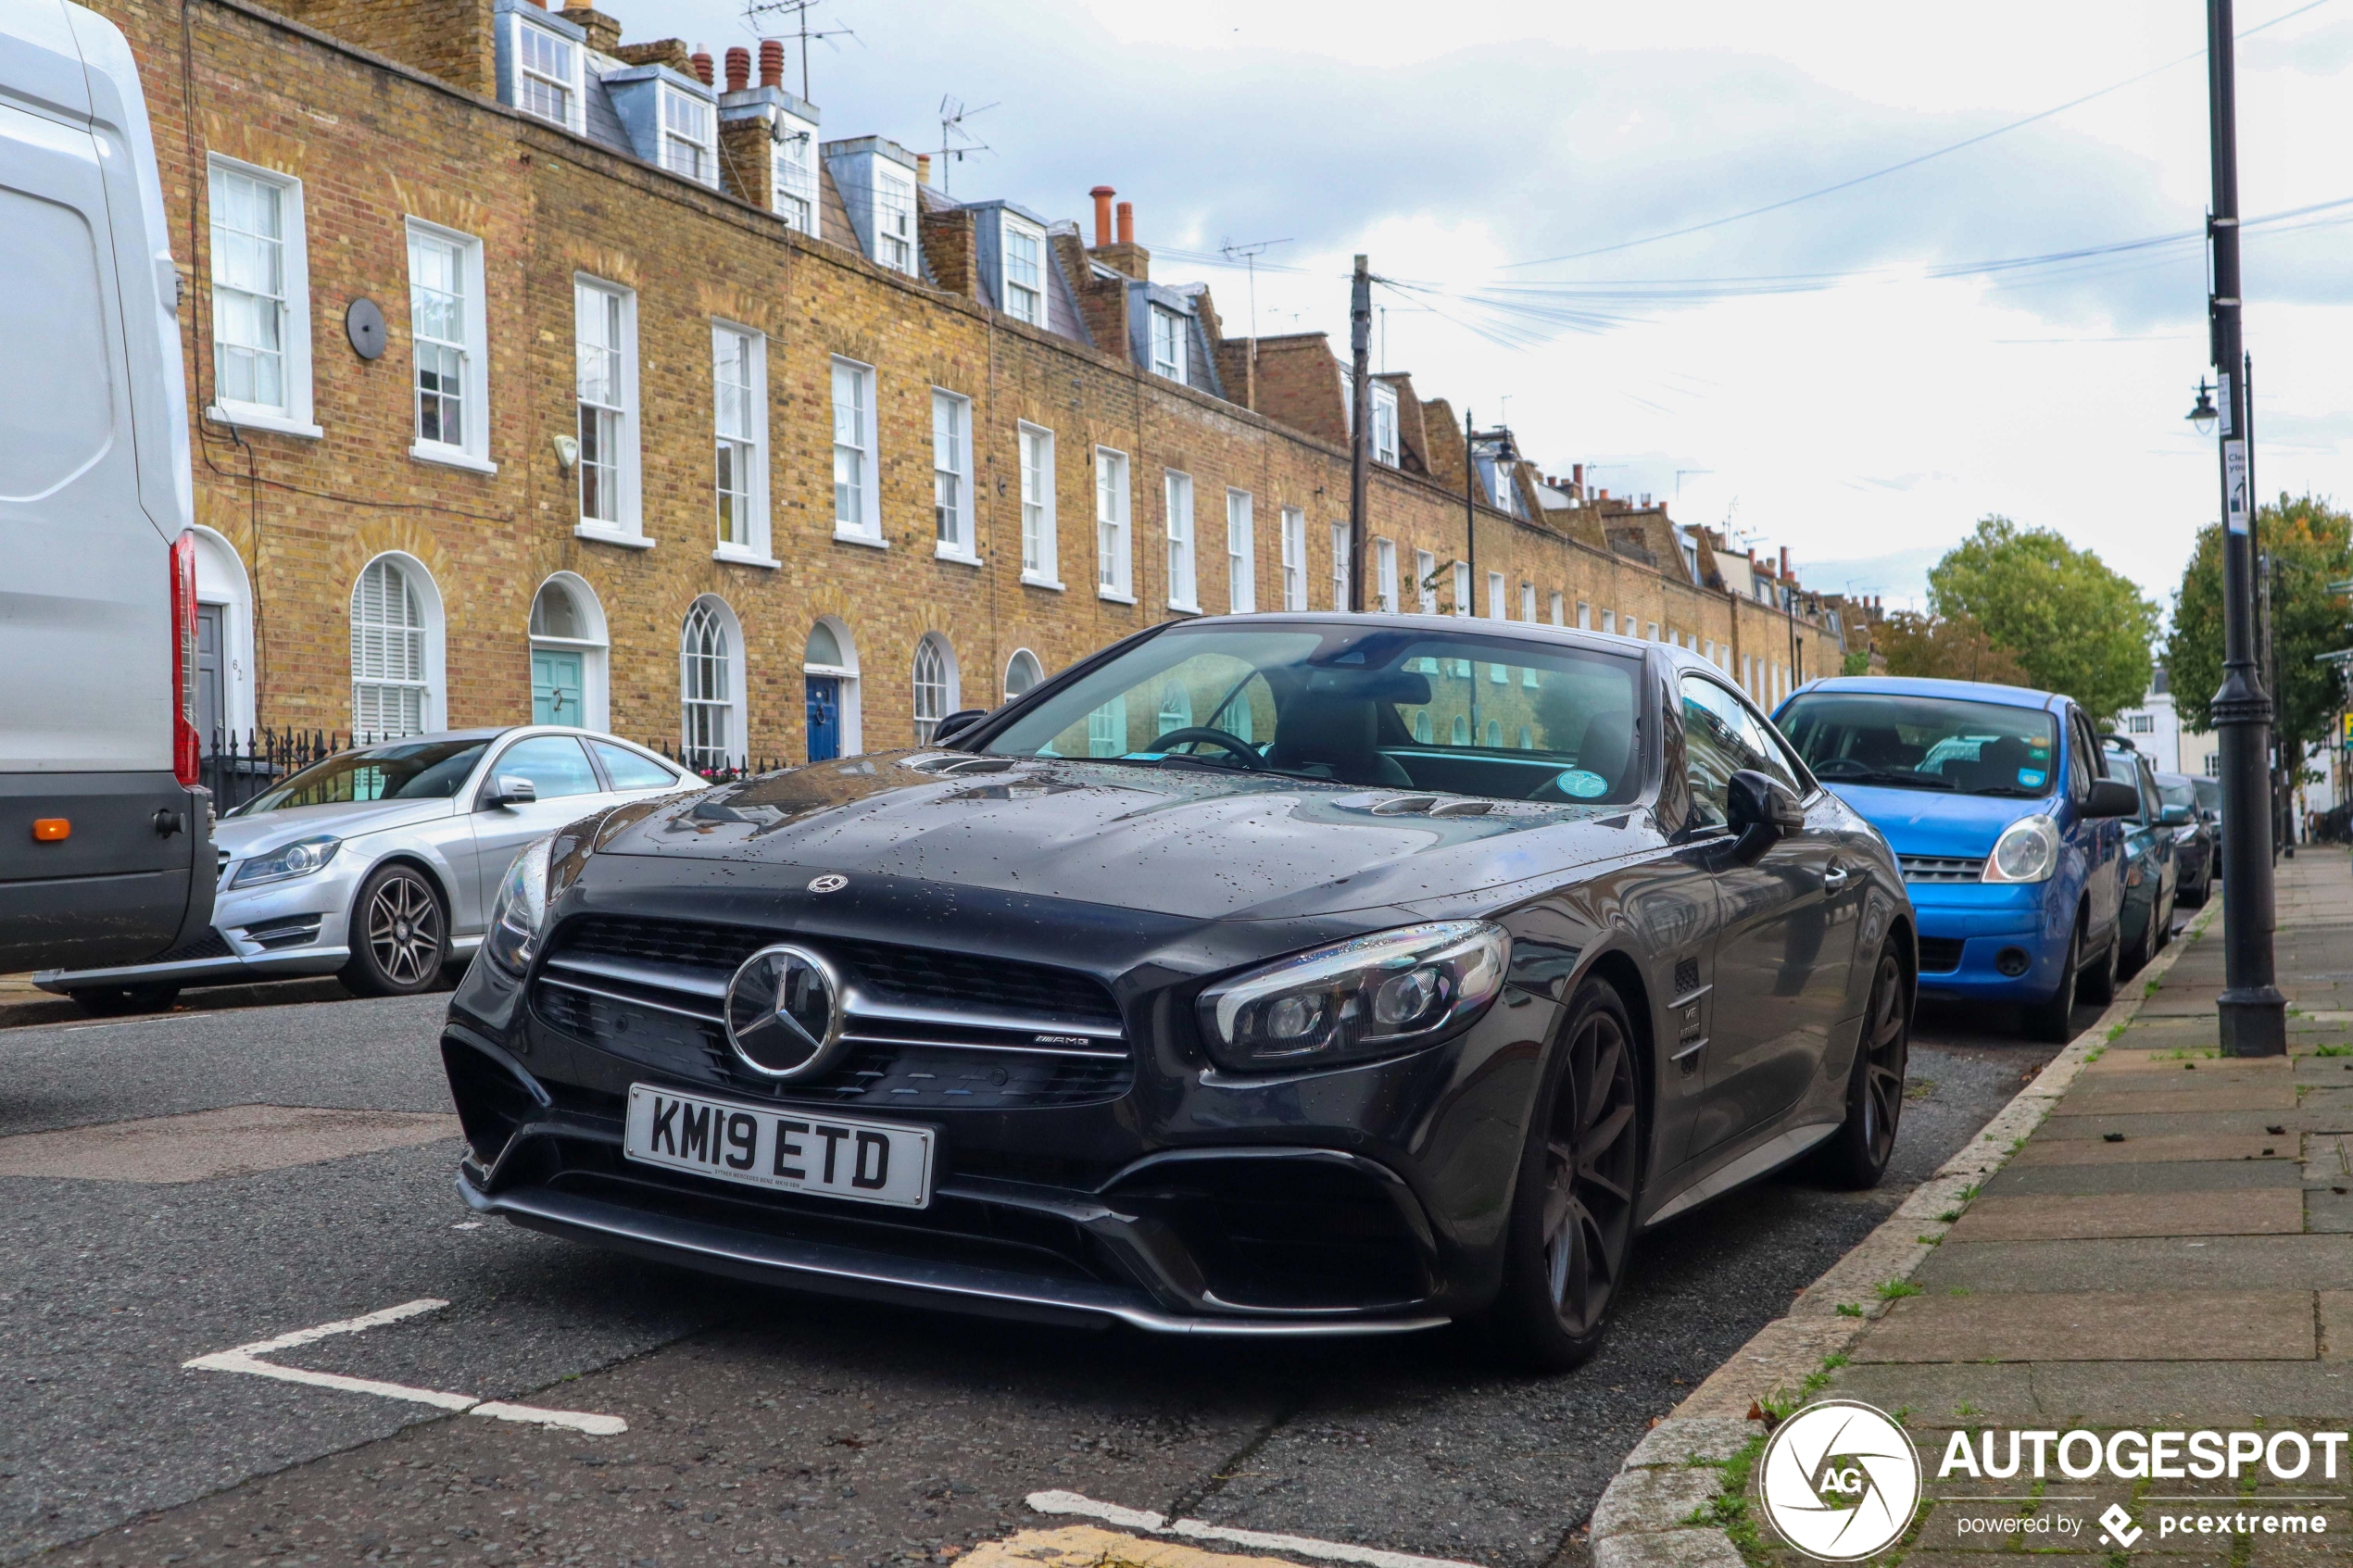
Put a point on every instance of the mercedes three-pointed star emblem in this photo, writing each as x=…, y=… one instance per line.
x=784, y=1014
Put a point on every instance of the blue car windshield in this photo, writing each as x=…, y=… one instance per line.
x=403, y=771
x=1918, y=742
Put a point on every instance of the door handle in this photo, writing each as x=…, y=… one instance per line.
x=1833, y=879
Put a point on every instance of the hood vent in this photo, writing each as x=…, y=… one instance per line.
x=1431, y=805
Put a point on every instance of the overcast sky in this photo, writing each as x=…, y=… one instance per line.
x=1865, y=420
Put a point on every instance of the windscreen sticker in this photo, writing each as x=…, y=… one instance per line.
x=1582, y=784
x=2029, y=778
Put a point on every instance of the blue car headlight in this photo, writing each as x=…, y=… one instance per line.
x=1374, y=995
x=304, y=857
x=520, y=908
x=2027, y=851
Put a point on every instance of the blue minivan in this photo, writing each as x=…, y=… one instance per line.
x=1998, y=804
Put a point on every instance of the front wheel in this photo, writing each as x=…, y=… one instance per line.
x=2052, y=1020
x=1856, y=1155
x=2099, y=985
x=1572, y=1220
x=399, y=934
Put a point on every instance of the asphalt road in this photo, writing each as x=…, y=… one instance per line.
x=762, y=1425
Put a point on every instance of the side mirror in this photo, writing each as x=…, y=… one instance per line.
x=512, y=789
x=2176, y=817
x=2112, y=797
x=956, y=723
x=1761, y=809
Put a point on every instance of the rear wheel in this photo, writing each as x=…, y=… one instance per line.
x=116, y=1001
x=1856, y=1155
x=1572, y=1222
x=2052, y=1018
x=399, y=934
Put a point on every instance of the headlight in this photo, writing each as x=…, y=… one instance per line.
x=298, y=858
x=2027, y=851
x=1373, y=996
x=522, y=905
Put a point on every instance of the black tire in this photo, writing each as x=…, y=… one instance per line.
x=2050, y=1020
x=1855, y=1155
x=2099, y=983
x=399, y=934
x=2144, y=946
x=116, y=1001
x=1571, y=1230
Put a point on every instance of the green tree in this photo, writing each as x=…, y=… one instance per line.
x=2311, y=544
x=1948, y=649
x=2072, y=624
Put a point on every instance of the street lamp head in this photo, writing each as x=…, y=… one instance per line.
x=2203, y=416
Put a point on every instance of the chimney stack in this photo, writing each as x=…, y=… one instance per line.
x=923, y=168
x=1785, y=563
x=739, y=68
x=771, y=62
x=1577, y=477
x=1103, y=195
x=702, y=65
x=1127, y=223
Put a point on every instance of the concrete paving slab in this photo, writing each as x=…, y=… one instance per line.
x=2125, y=1059
x=2152, y=1124
x=2158, y=1326
x=2274, y=1212
x=2046, y=1151
x=2146, y=1176
x=2322, y=1071
x=1916, y=1391
x=2335, y=1311
x=2183, y=1095
x=2329, y=1212
x=2326, y=1110
x=2222, y=1262
x=2328, y=1160
x=205, y=1145
x=2217, y=1394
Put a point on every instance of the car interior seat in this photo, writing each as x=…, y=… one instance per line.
x=1332, y=729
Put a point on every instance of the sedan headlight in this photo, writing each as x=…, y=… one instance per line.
x=522, y=905
x=1372, y=995
x=2027, y=851
x=302, y=858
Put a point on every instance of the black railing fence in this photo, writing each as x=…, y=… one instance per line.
x=718, y=770
x=238, y=767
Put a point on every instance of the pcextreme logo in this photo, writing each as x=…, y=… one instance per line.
x=1840, y=1481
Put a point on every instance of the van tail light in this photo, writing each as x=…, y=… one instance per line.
x=185, y=749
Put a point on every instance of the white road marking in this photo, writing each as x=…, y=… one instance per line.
x=1195, y=1529
x=247, y=1359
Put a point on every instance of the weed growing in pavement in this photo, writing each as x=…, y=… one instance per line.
x=1959, y=1290
x=1849, y=1310
x=2333, y=1050
x=1947, y=1217
x=1970, y=1192
x=1895, y=1289
x=1729, y=1510
x=1929, y=1240
x=1965, y=1411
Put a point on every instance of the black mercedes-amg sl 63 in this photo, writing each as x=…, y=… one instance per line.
x=1268, y=975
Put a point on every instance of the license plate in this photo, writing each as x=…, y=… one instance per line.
x=783, y=1151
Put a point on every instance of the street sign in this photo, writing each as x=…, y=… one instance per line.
x=2235, y=484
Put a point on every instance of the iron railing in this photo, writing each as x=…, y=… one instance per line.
x=238, y=767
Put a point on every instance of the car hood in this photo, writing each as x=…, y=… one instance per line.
x=264, y=830
x=1198, y=844
x=1927, y=822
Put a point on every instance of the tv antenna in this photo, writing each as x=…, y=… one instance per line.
x=796, y=13
x=954, y=140
x=1678, y=479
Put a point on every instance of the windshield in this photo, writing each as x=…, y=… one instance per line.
x=1466, y=714
x=2124, y=767
x=2176, y=791
x=403, y=771
x=1923, y=742
x=2209, y=792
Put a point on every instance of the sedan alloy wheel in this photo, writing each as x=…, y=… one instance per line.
x=399, y=934
x=1856, y=1155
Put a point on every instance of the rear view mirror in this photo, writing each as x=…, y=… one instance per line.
x=956, y=723
x=513, y=789
x=2112, y=797
x=1761, y=809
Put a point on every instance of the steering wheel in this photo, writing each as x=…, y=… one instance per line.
x=1841, y=767
x=1242, y=750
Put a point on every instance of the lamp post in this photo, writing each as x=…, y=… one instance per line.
x=2253, y=1014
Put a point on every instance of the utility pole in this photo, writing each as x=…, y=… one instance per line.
x=1470, y=518
x=1360, y=445
x=2252, y=1011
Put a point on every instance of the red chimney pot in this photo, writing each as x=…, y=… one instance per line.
x=1103, y=195
x=1127, y=223
x=771, y=62
x=739, y=68
x=702, y=65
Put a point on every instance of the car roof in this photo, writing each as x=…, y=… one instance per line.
x=1921, y=686
x=1533, y=631
x=496, y=731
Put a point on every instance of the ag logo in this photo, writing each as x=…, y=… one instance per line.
x=1840, y=1481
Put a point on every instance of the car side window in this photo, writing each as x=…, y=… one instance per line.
x=629, y=771
x=2079, y=759
x=1720, y=738
x=555, y=765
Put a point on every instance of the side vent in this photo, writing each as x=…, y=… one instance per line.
x=1686, y=976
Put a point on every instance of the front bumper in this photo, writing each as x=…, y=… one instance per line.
x=1964, y=929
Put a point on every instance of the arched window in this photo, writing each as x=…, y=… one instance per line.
x=1460, y=734
x=1021, y=671
x=1527, y=738
x=391, y=680
x=707, y=686
x=1421, y=726
x=935, y=685
x=1176, y=708
x=1495, y=732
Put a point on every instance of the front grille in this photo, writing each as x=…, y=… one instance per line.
x=1942, y=868
x=211, y=945
x=1940, y=954
x=926, y=1030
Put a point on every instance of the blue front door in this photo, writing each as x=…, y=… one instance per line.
x=824, y=718
x=556, y=688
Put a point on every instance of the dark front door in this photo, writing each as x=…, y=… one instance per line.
x=212, y=710
x=824, y=718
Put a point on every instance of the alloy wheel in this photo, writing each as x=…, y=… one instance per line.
x=1886, y=1046
x=404, y=930
x=1589, y=1157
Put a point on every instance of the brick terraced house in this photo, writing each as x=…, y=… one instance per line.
x=539, y=374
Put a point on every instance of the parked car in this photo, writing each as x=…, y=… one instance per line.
x=1267, y=975
x=105, y=836
x=1996, y=803
x=2152, y=870
x=2197, y=852
x=376, y=864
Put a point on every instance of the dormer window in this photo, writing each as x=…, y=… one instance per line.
x=687, y=145
x=1025, y=271
x=548, y=75
x=795, y=172
x=894, y=221
x=1168, y=343
x=1385, y=423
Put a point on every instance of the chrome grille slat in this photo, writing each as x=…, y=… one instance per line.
x=1942, y=868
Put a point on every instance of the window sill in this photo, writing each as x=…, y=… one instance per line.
x=1114, y=596
x=1183, y=608
x=451, y=456
x=602, y=535
x=958, y=557
x=843, y=536
x=256, y=418
x=1031, y=579
x=734, y=555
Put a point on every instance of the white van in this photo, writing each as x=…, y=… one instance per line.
x=106, y=839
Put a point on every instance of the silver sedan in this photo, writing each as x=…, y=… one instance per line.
x=380, y=863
